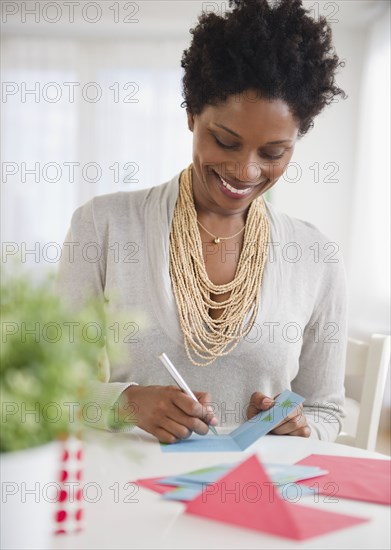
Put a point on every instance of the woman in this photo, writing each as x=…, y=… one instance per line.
x=226, y=285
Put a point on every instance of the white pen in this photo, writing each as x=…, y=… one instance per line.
x=180, y=382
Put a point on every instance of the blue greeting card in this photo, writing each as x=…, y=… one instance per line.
x=243, y=436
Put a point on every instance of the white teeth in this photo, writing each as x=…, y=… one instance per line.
x=232, y=189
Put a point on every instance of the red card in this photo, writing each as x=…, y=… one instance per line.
x=367, y=479
x=153, y=484
x=246, y=497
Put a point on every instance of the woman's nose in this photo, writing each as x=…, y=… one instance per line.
x=245, y=170
x=251, y=172
x=250, y=166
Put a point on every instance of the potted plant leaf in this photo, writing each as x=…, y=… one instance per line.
x=49, y=357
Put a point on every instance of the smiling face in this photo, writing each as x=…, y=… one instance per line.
x=241, y=147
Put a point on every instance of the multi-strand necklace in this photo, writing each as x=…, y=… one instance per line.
x=205, y=337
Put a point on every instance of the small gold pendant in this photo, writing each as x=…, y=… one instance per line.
x=217, y=240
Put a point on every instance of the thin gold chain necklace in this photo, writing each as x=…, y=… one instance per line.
x=216, y=239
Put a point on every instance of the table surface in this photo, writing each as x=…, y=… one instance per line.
x=128, y=516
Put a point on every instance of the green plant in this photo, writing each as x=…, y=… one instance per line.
x=48, y=359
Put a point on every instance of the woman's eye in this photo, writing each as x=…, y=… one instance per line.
x=225, y=146
x=266, y=155
x=273, y=157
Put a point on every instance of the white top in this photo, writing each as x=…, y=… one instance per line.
x=118, y=249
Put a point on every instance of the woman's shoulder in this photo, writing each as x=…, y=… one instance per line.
x=288, y=227
x=135, y=199
x=126, y=205
x=302, y=243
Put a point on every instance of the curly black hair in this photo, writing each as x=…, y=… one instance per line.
x=277, y=50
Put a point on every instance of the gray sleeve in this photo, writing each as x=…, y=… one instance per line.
x=322, y=360
x=81, y=276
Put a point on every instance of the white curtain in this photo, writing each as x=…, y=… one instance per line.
x=369, y=258
x=135, y=135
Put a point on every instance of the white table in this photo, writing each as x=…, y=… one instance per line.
x=147, y=521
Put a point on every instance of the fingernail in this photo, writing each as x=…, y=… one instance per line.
x=214, y=421
x=267, y=401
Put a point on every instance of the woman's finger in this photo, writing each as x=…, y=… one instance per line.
x=290, y=425
x=258, y=402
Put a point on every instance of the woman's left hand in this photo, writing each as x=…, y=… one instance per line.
x=294, y=424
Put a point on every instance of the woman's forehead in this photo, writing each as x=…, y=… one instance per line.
x=245, y=115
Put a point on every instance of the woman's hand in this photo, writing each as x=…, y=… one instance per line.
x=166, y=412
x=294, y=424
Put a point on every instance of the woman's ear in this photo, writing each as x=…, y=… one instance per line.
x=190, y=121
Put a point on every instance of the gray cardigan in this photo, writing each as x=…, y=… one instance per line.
x=117, y=249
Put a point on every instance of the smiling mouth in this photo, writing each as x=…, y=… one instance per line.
x=239, y=192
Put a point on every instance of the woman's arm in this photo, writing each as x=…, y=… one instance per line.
x=163, y=411
x=81, y=276
x=320, y=378
x=323, y=356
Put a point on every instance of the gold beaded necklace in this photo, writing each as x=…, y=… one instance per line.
x=205, y=337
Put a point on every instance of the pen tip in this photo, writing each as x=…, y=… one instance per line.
x=213, y=429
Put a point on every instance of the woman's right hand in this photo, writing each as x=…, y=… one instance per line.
x=166, y=412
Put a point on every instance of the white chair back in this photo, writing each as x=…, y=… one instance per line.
x=365, y=379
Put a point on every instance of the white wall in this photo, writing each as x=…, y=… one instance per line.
x=326, y=203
